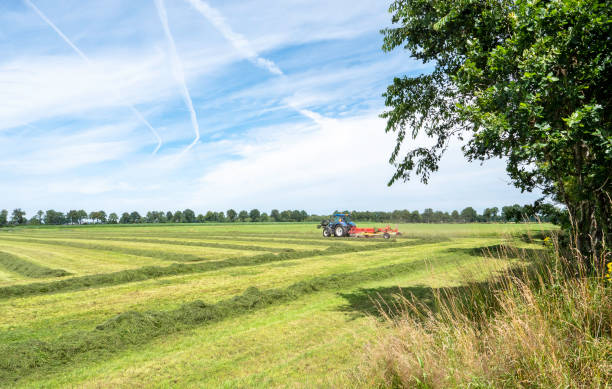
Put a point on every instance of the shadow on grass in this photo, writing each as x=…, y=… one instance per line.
x=475, y=300
x=384, y=300
x=500, y=251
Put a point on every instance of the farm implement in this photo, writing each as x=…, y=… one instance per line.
x=341, y=225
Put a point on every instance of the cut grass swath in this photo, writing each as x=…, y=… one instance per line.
x=151, y=272
x=181, y=243
x=28, y=269
x=164, y=255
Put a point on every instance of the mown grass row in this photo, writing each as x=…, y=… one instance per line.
x=163, y=255
x=185, y=243
x=133, y=328
x=29, y=269
x=151, y=272
x=152, y=238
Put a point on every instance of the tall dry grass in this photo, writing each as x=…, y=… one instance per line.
x=544, y=325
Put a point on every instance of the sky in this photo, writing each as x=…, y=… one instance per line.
x=210, y=105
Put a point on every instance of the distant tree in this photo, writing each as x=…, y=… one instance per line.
x=254, y=214
x=81, y=215
x=169, y=217
x=275, y=215
x=455, y=216
x=93, y=216
x=528, y=212
x=550, y=213
x=178, y=217
x=243, y=215
x=297, y=215
x=200, y=218
x=102, y=216
x=469, y=215
x=438, y=217
x=210, y=216
x=285, y=216
x=221, y=217
x=125, y=218
x=53, y=217
x=512, y=213
x=189, y=216
x=264, y=217
x=72, y=216
x=18, y=217
x=113, y=218
x=415, y=217
x=490, y=214
x=494, y=212
x=231, y=215
x=39, y=215
x=34, y=221
x=427, y=215
x=135, y=217
x=3, y=217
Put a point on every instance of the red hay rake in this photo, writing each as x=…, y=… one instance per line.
x=385, y=232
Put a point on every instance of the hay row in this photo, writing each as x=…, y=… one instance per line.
x=186, y=243
x=163, y=255
x=28, y=269
x=297, y=240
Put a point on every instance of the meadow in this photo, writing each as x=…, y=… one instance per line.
x=220, y=305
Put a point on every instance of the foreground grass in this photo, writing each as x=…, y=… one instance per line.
x=543, y=327
x=294, y=344
x=291, y=310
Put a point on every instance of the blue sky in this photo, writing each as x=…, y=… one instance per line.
x=285, y=98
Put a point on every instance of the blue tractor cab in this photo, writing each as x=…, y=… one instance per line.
x=343, y=219
x=340, y=225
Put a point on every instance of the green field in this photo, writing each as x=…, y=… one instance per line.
x=225, y=305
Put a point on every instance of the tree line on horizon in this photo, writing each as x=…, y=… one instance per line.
x=511, y=213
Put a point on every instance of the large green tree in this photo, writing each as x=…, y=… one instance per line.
x=527, y=80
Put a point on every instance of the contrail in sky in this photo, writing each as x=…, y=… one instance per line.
x=177, y=70
x=244, y=47
x=88, y=61
x=237, y=40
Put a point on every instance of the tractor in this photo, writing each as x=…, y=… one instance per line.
x=339, y=226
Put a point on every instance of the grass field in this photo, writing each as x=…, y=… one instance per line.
x=214, y=305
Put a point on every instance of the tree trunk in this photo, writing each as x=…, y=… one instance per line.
x=590, y=235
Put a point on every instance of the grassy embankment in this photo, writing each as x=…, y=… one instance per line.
x=548, y=325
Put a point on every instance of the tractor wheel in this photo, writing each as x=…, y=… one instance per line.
x=326, y=232
x=339, y=231
x=386, y=235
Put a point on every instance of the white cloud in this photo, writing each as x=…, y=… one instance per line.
x=58, y=151
x=339, y=164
